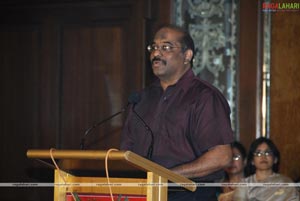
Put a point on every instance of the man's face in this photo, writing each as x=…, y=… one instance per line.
x=168, y=65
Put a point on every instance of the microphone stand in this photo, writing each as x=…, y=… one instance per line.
x=150, y=149
x=96, y=125
x=132, y=99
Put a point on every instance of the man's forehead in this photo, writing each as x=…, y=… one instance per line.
x=168, y=34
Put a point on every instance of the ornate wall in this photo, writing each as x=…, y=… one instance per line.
x=213, y=26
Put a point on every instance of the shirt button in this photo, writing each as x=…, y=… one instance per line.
x=165, y=98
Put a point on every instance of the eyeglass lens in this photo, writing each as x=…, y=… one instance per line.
x=163, y=48
x=263, y=153
x=236, y=157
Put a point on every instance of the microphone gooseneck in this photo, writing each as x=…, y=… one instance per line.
x=96, y=125
x=136, y=98
x=132, y=99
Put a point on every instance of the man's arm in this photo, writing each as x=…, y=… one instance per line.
x=213, y=160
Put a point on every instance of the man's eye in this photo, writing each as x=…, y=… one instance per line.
x=166, y=47
x=154, y=47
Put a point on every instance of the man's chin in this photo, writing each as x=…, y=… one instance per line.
x=157, y=72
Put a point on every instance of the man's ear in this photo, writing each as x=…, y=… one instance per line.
x=188, y=55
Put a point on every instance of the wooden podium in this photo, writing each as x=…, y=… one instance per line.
x=80, y=173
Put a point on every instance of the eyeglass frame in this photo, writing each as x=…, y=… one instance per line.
x=162, y=48
x=236, y=157
x=263, y=153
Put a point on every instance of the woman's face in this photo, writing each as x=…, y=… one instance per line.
x=237, y=165
x=263, y=158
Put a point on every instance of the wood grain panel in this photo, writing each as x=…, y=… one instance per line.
x=93, y=84
x=19, y=60
x=64, y=65
x=285, y=90
x=248, y=71
x=19, y=102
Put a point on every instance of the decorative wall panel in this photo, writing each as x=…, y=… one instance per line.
x=213, y=26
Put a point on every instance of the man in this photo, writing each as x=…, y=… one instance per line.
x=188, y=118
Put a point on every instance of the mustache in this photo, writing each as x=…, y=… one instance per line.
x=158, y=59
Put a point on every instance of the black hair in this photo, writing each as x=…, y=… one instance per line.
x=250, y=168
x=240, y=148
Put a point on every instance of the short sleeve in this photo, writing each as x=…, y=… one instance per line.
x=210, y=121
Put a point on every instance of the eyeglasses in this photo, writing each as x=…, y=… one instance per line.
x=263, y=153
x=163, y=48
x=236, y=157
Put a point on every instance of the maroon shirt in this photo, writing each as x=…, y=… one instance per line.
x=187, y=119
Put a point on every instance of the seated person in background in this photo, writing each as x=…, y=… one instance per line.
x=235, y=172
x=262, y=166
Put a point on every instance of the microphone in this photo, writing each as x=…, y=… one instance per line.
x=132, y=99
x=148, y=129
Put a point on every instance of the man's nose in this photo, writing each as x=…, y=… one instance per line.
x=157, y=52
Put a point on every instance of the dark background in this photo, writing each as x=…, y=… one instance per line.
x=66, y=64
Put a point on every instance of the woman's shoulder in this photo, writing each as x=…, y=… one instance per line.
x=281, y=178
x=249, y=179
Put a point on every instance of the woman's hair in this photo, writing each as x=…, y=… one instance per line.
x=240, y=148
x=250, y=168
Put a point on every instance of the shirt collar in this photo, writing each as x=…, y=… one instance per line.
x=183, y=82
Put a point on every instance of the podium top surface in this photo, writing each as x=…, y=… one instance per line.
x=118, y=161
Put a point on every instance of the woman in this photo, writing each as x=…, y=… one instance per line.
x=262, y=166
x=235, y=172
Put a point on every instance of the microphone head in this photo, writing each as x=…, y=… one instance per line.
x=134, y=98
